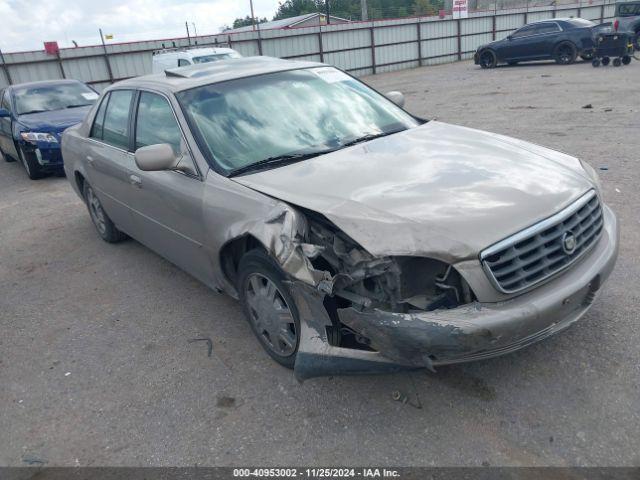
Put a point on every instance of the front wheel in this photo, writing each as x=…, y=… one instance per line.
x=565, y=53
x=269, y=306
x=30, y=163
x=105, y=227
x=488, y=59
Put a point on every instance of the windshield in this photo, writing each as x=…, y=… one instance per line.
x=215, y=57
x=53, y=97
x=244, y=121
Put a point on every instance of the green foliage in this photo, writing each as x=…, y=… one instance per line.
x=350, y=9
x=247, y=21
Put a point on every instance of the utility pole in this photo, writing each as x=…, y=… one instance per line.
x=326, y=4
x=253, y=17
x=186, y=24
x=365, y=10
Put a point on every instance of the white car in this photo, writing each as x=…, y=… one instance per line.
x=172, y=58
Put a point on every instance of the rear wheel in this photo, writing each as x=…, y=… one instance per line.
x=488, y=59
x=30, y=163
x=105, y=227
x=269, y=306
x=617, y=62
x=565, y=53
x=606, y=61
x=587, y=57
x=626, y=60
x=595, y=62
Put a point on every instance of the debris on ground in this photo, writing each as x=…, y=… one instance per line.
x=209, y=344
x=225, y=402
x=398, y=396
x=588, y=105
x=603, y=167
x=608, y=109
x=33, y=460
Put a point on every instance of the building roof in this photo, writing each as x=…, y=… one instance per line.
x=184, y=78
x=284, y=23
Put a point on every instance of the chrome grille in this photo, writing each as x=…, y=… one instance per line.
x=544, y=249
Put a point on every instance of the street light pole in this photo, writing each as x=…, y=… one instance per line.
x=326, y=4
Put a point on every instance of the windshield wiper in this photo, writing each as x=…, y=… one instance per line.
x=32, y=111
x=79, y=105
x=277, y=161
x=368, y=137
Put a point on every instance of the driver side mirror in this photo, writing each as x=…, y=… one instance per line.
x=4, y=113
x=396, y=97
x=509, y=37
x=158, y=157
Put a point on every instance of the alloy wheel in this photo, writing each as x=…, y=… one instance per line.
x=565, y=54
x=271, y=316
x=95, y=209
x=486, y=60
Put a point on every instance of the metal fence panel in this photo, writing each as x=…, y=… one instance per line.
x=397, y=44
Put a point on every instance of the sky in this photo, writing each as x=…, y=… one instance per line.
x=25, y=25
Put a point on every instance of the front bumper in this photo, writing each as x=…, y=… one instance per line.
x=470, y=332
x=49, y=155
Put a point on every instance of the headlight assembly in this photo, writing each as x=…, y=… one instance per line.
x=35, y=137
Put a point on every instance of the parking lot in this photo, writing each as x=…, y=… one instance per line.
x=96, y=367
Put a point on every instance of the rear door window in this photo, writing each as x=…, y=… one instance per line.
x=183, y=63
x=116, y=119
x=98, y=122
x=524, y=31
x=547, y=28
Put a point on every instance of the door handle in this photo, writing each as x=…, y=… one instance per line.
x=135, y=180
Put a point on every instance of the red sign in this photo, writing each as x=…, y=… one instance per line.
x=51, y=48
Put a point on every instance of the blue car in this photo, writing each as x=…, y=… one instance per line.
x=559, y=39
x=33, y=117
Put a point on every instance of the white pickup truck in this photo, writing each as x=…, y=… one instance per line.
x=628, y=20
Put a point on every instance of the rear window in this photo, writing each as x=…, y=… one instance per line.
x=581, y=22
x=215, y=57
x=628, y=9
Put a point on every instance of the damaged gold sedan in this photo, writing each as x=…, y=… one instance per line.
x=358, y=237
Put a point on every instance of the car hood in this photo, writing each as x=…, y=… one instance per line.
x=437, y=190
x=55, y=121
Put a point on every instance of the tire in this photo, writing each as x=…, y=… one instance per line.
x=595, y=62
x=269, y=306
x=105, y=227
x=606, y=61
x=565, y=53
x=626, y=60
x=617, y=62
x=30, y=163
x=587, y=57
x=7, y=158
x=488, y=59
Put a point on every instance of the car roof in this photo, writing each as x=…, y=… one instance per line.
x=195, y=51
x=184, y=78
x=43, y=83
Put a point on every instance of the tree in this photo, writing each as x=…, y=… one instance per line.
x=424, y=7
x=293, y=8
x=247, y=21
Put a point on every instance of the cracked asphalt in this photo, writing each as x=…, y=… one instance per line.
x=96, y=367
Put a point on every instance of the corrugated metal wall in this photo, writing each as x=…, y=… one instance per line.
x=361, y=48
